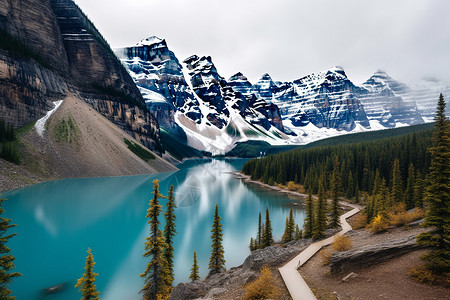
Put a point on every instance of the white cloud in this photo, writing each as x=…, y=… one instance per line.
x=289, y=38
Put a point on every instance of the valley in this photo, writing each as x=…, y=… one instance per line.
x=186, y=179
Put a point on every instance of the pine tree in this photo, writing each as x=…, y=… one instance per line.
x=260, y=232
x=6, y=260
x=285, y=237
x=437, y=196
x=357, y=194
x=408, y=196
x=397, y=189
x=252, y=244
x=418, y=190
x=289, y=231
x=350, y=190
x=309, y=221
x=335, y=192
x=194, y=270
x=320, y=224
x=86, y=283
x=291, y=224
x=156, y=274
x=376, y=183
x=169, y=233
x=217, y=260
x=267, y=234
x=298, y=233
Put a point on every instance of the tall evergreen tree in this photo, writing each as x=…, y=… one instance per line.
x=291, y=224
x=289, y=231
x=6, y=259
x=86, y=283
x=217, y=260
x=438, y=196
x=419, y=190
x=285, y=237
x=309, y=221
x=156, y=274
x=356, y=194
x=320, y=224
x=397, y=189
x=267, y=234
x=169, y=233
x=376, y=183
x=298, y=233
x=350, y=186
x=408, y=197
x=336, y=184
x=194, y=270
x=260, y=232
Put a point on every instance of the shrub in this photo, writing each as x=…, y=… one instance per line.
x=262, y=288
x=422, y=274
x=403, y=218
x=360, y=221
x=378, y=224
x=139, y=151
x=342, y=243
x=325, y=255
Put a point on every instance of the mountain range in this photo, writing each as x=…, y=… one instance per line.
x=106, y=103
x=191, y=99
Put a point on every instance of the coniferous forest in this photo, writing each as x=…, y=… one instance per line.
x=359, y=163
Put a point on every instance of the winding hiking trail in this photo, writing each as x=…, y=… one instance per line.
x=295, y=283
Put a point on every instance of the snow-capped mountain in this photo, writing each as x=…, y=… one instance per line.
x=159, y=76
x=389, y=101
x=212, y=114
x=195, y=102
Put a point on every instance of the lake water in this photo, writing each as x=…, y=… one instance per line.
x=57, y=222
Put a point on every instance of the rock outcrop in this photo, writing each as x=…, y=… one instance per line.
x=48, y=48
x=215, y=285
x=370, y=255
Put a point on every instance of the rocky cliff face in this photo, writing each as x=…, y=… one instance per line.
x=57, y=49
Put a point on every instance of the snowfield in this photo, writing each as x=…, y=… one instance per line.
x=40, y=124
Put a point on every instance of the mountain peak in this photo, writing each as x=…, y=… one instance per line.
x=238, y=76
x=265, y=77
x=339, y=70
x=380, y=72
x=150, y=41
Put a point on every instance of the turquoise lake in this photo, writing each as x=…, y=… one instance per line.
x=57, y=222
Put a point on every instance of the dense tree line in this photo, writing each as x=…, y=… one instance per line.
x=9, y=149
x=347, y=169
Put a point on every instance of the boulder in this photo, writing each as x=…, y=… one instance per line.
x=370, y=255
x=189, y=290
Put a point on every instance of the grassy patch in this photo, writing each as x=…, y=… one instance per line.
x=66, y=131
x=25, y=129
x=139, y=151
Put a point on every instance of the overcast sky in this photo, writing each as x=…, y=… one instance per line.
x=410, y=39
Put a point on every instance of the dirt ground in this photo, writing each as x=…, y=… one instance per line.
x=389, y=280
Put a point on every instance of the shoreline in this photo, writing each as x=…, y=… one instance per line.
x=246, y=179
